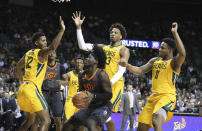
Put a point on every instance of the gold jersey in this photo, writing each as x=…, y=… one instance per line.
x=163, y=77
x=34, y=69
x=73, y=84
x=113, y=56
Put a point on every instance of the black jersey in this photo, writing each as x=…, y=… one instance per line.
x=93, y=85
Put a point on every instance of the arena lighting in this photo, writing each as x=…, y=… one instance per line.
x=141, y=43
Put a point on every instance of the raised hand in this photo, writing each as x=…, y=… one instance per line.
x=174, y=27
x=77, y=19
x=62, y=23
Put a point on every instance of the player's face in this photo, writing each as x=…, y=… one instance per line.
x=52, y=55
x=115, y=35
x=164, y=50
x=89, y=61
x=42, y=42
x=79, y=64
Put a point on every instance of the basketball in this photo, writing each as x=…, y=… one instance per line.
x=78, y=100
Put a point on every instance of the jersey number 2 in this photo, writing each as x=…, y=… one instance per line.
x=29, y=61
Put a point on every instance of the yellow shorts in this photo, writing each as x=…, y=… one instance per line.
x=30, y=99
x=117, y=91
x=154, y=103
x=70, y=109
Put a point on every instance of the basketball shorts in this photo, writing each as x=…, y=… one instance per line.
x=70, y=109
x=54, y=102
x=100, y=115
x=154, y=103
x=30, y=99
x=117, y=91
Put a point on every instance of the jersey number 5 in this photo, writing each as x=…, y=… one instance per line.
x=29, y=61
x=108, y=60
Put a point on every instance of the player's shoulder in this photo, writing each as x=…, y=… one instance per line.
x=152, y=60
x=102, y=73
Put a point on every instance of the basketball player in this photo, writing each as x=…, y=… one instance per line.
x=51, y=89
x=34, y=62
x=96, y=82
x=73, y=84
x=114, y=52
x=165, y=70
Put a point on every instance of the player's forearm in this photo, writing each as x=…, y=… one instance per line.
x=56, y=41
x=118, y=75
x=179, y=44
x=64, y=83
x=103, y=96
x=134, y=69
x=81, y=42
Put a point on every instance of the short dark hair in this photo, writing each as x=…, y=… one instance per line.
x=170, y=42
x=36, y=36
x=78, y=56
x=120, y=27
x=100, y=56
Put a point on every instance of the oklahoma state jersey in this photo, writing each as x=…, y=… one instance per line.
x=73, y=84
x=34, y=69
x=112, y=54
x=163, y=77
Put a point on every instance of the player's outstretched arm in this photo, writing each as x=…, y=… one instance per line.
x=78, y=22
x=20, y=65
x=179, y=59
x=43, y=53
x=138, y=70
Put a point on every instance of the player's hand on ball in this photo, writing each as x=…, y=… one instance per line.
x=123, y=62
x=77, y=19
x=62, y=23
x=174, y=27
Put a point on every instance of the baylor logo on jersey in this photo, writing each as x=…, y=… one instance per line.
x=159, y=66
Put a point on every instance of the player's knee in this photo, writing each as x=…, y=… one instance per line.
x=156, y=120
x=91, y=125
x=46, y=121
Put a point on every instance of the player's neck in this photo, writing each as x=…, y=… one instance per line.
x=51, y=63
x=114, y=44
x=76, y=71
x=168, y=57
x=90, y=71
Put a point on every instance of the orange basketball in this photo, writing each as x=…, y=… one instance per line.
x=78, y=100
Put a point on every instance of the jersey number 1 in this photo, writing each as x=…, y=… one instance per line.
x=157, y=74
x=29, y=61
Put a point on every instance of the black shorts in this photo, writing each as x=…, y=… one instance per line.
x=100, y=115
x=54, y=102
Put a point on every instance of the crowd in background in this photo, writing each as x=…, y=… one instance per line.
x=15, y=40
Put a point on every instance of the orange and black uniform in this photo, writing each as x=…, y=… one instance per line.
x=99, y=109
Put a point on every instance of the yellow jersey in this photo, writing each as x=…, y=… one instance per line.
x=163, y=77
x=113, y=56
x=73, y=84
x=34, y=69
